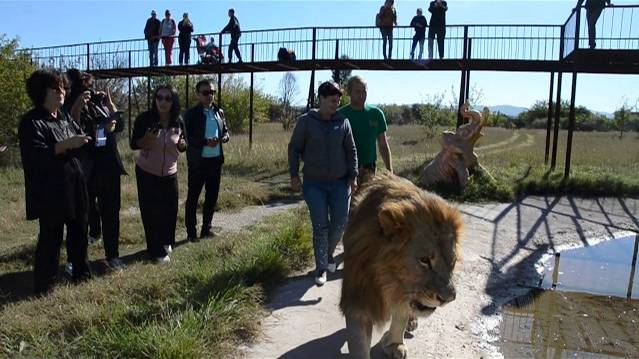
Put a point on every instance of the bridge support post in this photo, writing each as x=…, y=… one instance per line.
x=186, y=93
x=555, y=137
x=549, y=121
x=129, y=100
x=148, y=93
x=251, y=100
x=463, y=82
x=571, y=124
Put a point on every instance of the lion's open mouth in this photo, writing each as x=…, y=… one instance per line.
x=418, y=306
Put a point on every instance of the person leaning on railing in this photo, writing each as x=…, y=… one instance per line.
x=184, y=38
x=437, y=27
x=152, y=36
x=159, y=135
x=593, y=11
x=55, y=186
x=167, y=34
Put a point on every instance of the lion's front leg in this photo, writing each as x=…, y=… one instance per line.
x=359, y=333
x=393, y=339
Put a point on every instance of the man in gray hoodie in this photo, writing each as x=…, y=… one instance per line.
x=323, y=139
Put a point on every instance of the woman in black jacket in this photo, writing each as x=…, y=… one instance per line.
x=55, y=185
x=185, y=27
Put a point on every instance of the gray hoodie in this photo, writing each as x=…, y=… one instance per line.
x=326, y=147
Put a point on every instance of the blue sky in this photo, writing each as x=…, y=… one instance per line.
x=46, y=23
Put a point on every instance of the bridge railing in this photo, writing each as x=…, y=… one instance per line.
x=617, y=28
x=489, y=42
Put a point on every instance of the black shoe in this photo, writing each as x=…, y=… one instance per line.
x=193, y=239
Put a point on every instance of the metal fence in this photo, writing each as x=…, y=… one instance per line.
x=616, y=29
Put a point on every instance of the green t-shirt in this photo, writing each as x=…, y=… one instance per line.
x=366, y=126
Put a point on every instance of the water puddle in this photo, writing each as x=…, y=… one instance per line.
x=587, y=306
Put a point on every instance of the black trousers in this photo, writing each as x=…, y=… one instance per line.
x=185, y=45
x=47, y=255
x=206, y=175
x=592, y=15
x=104, y=210
x=441, y=36
x=158, y=199
x=233, y=46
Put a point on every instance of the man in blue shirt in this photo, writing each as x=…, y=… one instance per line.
x=205, y=133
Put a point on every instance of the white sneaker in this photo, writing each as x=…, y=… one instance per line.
x=116, y=264
x=93, y=240
x=321, y=279
x=168, y=249
x=68, y=269
x=332, y=267
x=162, y=260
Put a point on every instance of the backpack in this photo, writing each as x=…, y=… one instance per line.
x=285, y=54
x=378, y=19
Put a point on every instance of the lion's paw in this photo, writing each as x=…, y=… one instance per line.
x=396, y=351
x=412, y=324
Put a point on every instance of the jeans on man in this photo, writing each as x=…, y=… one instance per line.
x=153, y=51
x=233, y=46
x=206, y=175
x=416, y=40
x=328, y=204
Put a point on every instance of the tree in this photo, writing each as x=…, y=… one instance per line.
x=288, y=93
x=14, y=101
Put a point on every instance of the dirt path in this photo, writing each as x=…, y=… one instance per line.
x=501, y=244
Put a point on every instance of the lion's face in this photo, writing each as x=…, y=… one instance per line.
x=425, y=232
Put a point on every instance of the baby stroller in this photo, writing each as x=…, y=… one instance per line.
x=209, y=52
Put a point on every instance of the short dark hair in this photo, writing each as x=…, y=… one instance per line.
x=329, y=88
x=204, y=83
x=175, y=102
x=42, y=80
x=232, y=10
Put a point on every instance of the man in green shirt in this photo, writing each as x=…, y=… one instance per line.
x=369, y=128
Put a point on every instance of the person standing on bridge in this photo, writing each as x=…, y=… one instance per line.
x=167, y=34
x=593, y=11
x=184, y=39
x=234, y=28
x=152, y=36
x=206, y=131
x=437, y=27
x=385, y=20
x=419, y=23
x=369, y=129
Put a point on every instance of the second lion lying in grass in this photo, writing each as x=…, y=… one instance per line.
x=400, y=249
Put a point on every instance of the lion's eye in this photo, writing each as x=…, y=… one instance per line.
x=425, y=261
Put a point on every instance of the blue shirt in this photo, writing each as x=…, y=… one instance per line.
x=212, y=130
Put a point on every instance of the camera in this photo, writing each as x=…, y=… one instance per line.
x=97, y=98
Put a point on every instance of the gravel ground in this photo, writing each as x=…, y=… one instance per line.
x=501, y=244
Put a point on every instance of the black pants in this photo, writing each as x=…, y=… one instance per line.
x=158, y=198
x=207, y=174
x=47, y=255
x=233, y=46
x=592, y=15
x=185, y=45
x=441, y=35
x=104, y=210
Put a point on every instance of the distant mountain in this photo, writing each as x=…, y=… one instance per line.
x=508, y=110
x=606, y=114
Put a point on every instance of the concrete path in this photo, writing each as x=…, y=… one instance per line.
x=501, y=244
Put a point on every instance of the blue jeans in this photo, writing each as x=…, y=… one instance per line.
x=328, y=204
x=153, y=51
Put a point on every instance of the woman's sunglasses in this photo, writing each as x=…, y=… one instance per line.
x=161, y=98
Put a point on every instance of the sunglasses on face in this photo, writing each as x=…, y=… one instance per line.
x=161, y=98
x=207, y=92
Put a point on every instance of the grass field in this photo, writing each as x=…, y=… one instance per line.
x=208, y=298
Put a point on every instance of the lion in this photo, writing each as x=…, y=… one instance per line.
x=400, y=249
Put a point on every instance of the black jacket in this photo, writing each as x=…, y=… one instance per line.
x=106, y=159
x=185, y=32
x=55, y=185
x=152, y=29
x=233, y=27
x=195, y=123
x=438, y=17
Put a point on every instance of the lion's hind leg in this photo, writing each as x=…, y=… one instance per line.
x=393, y=340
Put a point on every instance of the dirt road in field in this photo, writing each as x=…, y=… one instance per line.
x=501, y=244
